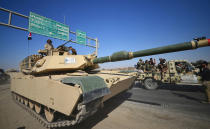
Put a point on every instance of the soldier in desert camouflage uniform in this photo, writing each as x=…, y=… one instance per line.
x=49, y=47
x=205, y=74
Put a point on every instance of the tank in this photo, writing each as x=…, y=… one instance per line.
x=60, y=89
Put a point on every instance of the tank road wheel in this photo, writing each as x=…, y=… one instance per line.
x=21, y=99
x=26, y=102
x=16, y=97
x=150, y=84
x=49, y=114
x=38, y=108
x=31, y=104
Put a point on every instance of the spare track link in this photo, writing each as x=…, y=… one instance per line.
x=65, y=123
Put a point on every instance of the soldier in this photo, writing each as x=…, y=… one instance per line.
x=49, y=47
x=205, y=74
x=154, y=61
x=140, y=65
x=160, y=65
x=73, y=51
x=184, y=68
x=164, y=65
x=179, y=68
x=151, y=62
x=147, y=66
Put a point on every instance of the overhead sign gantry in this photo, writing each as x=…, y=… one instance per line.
x=48, y=27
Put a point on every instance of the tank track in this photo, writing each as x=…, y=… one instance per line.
x=84, y=112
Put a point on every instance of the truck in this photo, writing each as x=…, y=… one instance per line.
x=178, y=72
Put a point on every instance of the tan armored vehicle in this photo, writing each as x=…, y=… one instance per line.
x=56, y=90
x=179, y=72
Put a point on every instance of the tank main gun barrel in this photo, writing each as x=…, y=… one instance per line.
x=124, y=55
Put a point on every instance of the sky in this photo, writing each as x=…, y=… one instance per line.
x=129, y=25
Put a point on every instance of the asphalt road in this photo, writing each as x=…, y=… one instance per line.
x=166, y=108
x=186, y=99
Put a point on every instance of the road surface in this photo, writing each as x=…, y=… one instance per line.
x=135, y=109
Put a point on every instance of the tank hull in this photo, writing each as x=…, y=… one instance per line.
x=51, y=93
x=48, y=92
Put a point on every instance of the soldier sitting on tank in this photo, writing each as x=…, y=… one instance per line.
x=48, y=49
x=48, y=45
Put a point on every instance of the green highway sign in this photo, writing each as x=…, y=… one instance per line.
x=81, y=37
x=45, y=26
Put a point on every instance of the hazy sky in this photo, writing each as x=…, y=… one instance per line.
x=129, y=25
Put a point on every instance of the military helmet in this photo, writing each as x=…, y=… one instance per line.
x=49, y=41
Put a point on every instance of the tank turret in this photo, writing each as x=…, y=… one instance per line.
x=61, y=60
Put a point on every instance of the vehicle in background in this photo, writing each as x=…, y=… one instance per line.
x=179, y=72
x=3, y=77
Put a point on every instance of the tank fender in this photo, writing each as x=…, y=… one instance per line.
x=93, y=87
